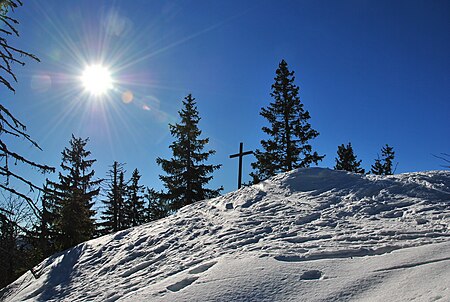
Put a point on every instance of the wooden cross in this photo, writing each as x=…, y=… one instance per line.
x=241, y=154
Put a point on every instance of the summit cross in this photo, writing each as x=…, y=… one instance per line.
x=241, y=154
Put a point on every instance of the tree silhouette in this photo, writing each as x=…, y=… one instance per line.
x=384, y=166
x=74, y=195
x=346, y=160
x=289, y=130
x=135, y=213
x=187, y=175
x=157, y=207
x=116, y=189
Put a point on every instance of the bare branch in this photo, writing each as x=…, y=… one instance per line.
x=43, y=168
x=35, y=209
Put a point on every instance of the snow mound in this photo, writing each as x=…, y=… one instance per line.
x=272, y=241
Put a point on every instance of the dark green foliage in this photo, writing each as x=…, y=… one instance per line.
x=377, y=167
x=135, y=213
x=187, y=174
x=289, y=130
x=157, y=207
x=346, y=160
x=384, y=166
x=113, y=215
x=74, y=195
x=47, y=233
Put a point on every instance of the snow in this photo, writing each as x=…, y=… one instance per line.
x=308, y=235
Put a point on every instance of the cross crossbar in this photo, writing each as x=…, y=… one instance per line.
x=241, y=154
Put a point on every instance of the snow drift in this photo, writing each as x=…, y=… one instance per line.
x=307, y=235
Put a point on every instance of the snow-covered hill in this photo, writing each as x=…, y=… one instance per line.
x=308, y=235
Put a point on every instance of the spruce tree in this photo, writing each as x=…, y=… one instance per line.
x=384, y=166
x=135, y=213
x=377, y=167
x=112, y=216
x=75, y=194
x=346, y=160
x=157, y=207
x=289, y=130
x=46, y=229
x=187, y=174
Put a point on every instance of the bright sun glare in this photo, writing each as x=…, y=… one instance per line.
x=97, y=79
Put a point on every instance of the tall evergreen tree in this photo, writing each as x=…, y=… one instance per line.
x=289, y=130
x=46, y=229
x=346, y=160
x=75, y=194
x=187, y=175
x=113, y=214
x=135, y=212
x=157, y=207
x=384, y=166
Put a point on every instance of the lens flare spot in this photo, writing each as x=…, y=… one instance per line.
x=145, y=107
x=127, y=97
x=41, y=82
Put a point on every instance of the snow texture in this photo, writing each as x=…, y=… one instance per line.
x=308, y=235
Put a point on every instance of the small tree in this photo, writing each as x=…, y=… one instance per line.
x=75, y=194
x=346, y=160
x=134, y=206
x=157, y=207
x=289, y=130
x=46, y=230
x=384, y=166
x=187, y=175
x=113, y=214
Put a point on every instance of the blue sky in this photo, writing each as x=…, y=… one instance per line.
x=370, y=73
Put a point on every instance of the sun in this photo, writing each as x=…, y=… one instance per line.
x=97, y=79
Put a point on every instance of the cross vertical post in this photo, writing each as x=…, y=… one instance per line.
x=241, y=154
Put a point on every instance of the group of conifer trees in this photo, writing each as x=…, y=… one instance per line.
x=68, y=215
x=346, y=160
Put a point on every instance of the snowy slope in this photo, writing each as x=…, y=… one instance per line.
x=308, y=235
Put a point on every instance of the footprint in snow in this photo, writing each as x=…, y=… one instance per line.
x=311, y=275
x=181, y=284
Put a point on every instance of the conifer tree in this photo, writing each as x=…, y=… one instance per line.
x=113, y=214
x=346, y=160
x=75, y=194
x=187, y=174
x=157, y=207
x=46, y=229
x=377, y=167
x=135, y=213
x=384, y=166
x=289, y=130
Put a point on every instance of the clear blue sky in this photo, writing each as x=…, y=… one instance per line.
x=370, y=73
